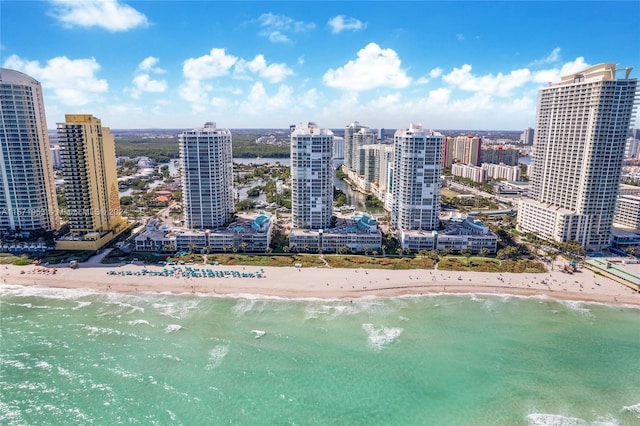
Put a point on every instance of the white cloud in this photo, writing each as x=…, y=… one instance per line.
x=375, y=67
x=574, y=66
x=440, y=96
x=196, y=93
x=553, y=75
x=435, y=73
x=274, y=73
x=149, y=63
x=340, y=23
x=72, y=81
x=217, y=63
x=498, y=85
x=552, y=57
x=460, y=37
x=143, y=82
x=276, y=27
x=108, y=14
x=259, y=101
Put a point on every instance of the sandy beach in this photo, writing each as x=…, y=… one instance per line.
x=322, y=282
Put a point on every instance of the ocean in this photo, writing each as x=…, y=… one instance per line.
x=81, y=357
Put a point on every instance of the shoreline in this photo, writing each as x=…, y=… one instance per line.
x=324, y=283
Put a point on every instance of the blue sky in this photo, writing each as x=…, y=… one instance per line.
x=177, y=64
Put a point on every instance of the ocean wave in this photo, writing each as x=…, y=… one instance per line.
x=44, y=365
x=46, y=292
x=124, y=305
x=380, y=337
x=177, y=310
x=10, y=415
x=97, y=331
x=139, y=322
x=577, y=308
x=258, y=333
x=633, y=409
x=81, y=305
x=171, y=357
x=245, y=306
x=119, y=371
x=171, y=328
x=542, y=419
x=216, y=355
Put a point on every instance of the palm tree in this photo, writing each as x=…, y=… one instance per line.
x=244, y=246
x=484, y=252
x=286, y=249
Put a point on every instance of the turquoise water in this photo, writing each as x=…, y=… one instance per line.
x=72, y=357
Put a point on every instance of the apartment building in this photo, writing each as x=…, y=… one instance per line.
x=88, y=157
x=582, y=126
x=28, y=199
x=207, y=176
x=311, y=176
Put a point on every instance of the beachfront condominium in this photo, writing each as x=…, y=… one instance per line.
x=416, y=179
x=461, y=149
x=207, y=176
x=311, y=176
x=88, y=157
x=27, y=192
x=581, y=129
x=350, y=146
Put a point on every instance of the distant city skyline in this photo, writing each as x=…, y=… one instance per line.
x=447, y=65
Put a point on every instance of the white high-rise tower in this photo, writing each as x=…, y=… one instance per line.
x=416, y=174
x=207, y=176
x=581, y=130
x=311, y=176
x=28, y=199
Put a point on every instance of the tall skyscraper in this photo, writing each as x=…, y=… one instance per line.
x=88, y=156
x=527, y=136
x=311, y=176
x=28, y=199
x=416, y=179
x=207, y=176
x=461, y=149
x=349, y=144
x=581, y=130
x=361, y=138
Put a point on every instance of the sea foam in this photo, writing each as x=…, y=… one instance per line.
x=634, y=409
x=542, y=419
x=379, y=337
x=216, y=355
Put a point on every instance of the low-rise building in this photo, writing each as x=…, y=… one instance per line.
x=357, y=234
x=245, y=234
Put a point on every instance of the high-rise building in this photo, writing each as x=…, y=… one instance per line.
x=349, y=144
x=361, y=138
x=28, y=199
x=416, y=179
x=207, y=176
x=461, y=149
x=311, y=176
x=90, y=176
x=581, y=130
x=527, y=136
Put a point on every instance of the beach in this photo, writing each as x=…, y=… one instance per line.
x=323, y=282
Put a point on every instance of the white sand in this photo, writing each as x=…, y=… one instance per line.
x=325, y=282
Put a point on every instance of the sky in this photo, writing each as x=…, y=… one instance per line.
x=244, y=64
